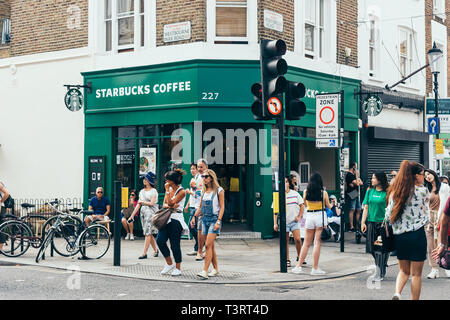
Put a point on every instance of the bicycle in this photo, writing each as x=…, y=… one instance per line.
x=18, y=238
x=93, y=242
x=69, y=218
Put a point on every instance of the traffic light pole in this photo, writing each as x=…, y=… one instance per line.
x=282, y=194
x=342, y=173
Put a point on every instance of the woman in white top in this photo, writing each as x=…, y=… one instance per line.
x=4, y=194
x=212, y=206
x=408, y=211
x=148, y=203
x=175, y=227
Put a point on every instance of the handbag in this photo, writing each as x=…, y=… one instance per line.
x=352, y=195
x=444, y=260
x=326, y=232
x=159, y=220
x=9, y=202
x=387, y=237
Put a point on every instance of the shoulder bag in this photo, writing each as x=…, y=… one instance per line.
x=9, y=202
x=326, y=232
x=444, y=260
x=160, y=218
x=387, y=237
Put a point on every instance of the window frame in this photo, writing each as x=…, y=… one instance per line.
x=373, y=44
x=137, y=16
x=319, y=30
x=228, y=4
x=410, y=36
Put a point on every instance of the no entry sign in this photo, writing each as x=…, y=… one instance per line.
x=274, y=106
x=327, y=125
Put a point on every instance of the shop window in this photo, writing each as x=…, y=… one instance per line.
x=231, y=21
x=126, y=132
x=125, y=161
x=124, y=25
x=167, y=130
x=147, y=131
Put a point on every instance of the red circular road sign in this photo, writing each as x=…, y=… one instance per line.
x=332, y=115
x=274, y=106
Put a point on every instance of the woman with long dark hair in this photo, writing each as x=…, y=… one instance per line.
x=176, y=226
x=433, y=184
x=316, y=199
x=408, y=212
x=374, y=205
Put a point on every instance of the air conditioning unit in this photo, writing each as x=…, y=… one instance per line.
x=304, y=170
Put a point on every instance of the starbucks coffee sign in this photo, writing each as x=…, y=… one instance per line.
x=73, y=100
x=372, y=106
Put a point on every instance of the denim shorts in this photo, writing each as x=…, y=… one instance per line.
x=208, y=224
x=293, y=226
x=354, y=204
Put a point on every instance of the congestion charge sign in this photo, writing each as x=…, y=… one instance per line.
x=327, y=128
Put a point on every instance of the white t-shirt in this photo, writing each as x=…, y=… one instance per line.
x=147, y=196
x=293, y=202
x=216, y=203
x=195, y=202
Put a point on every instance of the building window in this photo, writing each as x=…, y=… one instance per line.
x=373, y=45
x=231, y=21
x=124, y=25
x=5, y=29
x=314, y=28
x=405, y=51
x=439, y=9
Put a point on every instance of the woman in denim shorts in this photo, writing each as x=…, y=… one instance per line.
x=212, y=206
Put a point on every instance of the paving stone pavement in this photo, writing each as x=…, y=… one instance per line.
x=240, y=261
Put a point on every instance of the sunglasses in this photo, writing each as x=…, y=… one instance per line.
x=99, y=191
x=132, y=195
x=207, y=176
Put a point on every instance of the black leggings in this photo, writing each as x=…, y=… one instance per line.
x=2, y=216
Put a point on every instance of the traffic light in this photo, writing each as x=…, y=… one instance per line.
x=273, y=67
x=257, y=106
x=295, y=108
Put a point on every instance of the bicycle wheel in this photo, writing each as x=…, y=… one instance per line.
x=63, y=241
x=94, y=242
x=51, y=221
x=17, y=237
x=45, y=245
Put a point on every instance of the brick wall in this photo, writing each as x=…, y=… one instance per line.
x=173, y=11
x=42, y=26
x=286, y=9
x=347, y=31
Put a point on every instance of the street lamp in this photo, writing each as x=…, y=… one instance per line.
x=434, y=54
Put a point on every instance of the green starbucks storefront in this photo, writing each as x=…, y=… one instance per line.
x=161, y=116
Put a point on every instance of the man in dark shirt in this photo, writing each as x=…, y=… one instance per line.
x=100, y=205
x=352, y=193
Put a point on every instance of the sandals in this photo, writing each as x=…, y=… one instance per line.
x=156, y=253
x=288, y=263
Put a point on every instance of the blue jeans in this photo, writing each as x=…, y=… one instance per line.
x=172, y=231
x=193, y=230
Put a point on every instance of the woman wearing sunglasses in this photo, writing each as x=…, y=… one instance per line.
x=212, y=206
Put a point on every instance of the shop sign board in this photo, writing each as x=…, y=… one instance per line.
x=177, y=31
x=273, y=20
x=73, y=100
x=327, y=120
x=97, y=169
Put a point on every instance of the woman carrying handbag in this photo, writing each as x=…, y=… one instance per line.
x=408, y=211
x=374, y=205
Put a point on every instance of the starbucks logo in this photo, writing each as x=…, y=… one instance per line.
x=372, y=106
x=74, y=100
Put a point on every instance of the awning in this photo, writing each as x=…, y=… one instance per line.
x=400, y=99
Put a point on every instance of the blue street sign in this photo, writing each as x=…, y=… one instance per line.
x=433, y=125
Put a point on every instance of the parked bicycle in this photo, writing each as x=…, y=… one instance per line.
x=93, y=242
x=18, y=238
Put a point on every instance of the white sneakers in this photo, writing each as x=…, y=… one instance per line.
x=296, y=270
x=176, y=272
x=203, y=275
x=397, y=296
x=192, y=253
x=167, y=269
x=129, y=237
x=317, y=272
x=213, y=273
x=433, y=274
x=314, y=272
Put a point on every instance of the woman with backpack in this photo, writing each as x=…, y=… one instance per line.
x=174, y=199
x=316, y=199
x=212, y=206
x=374, y=205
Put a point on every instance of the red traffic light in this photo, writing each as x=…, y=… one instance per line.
x=257, y=90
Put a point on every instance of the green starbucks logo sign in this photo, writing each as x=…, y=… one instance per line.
x=74, y=100
x=372, y=106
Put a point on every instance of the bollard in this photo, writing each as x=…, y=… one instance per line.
x=117, y=219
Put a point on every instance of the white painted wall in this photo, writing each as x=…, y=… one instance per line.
x=42, y=142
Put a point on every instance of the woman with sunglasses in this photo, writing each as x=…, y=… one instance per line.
x=126, y=214
x=408, y=211
x=148, y=205
x=212, y=206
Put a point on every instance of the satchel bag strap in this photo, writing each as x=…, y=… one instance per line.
x=323, y=220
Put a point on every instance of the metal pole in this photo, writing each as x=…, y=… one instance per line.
x=117, y=219
x=342, y=174
x=282, y=194
x=436, y=101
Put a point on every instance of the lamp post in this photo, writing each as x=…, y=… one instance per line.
x=434, y=54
